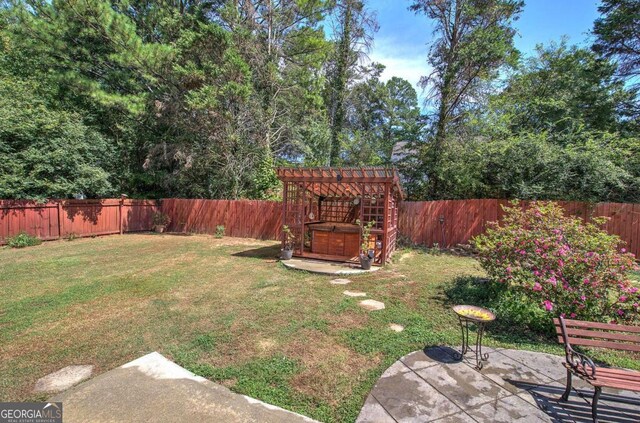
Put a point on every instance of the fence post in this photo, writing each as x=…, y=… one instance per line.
x=59, y=219
x=120, y=214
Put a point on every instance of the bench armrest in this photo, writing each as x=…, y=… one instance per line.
x=580, y=363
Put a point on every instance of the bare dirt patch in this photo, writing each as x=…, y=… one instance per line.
x=406, y=256
x=331, y=371
x=266, y=345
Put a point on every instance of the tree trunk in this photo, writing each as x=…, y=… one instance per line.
x=340, y=84
x=444, y=108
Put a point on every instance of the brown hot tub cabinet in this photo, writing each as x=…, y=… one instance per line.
x=335, y=239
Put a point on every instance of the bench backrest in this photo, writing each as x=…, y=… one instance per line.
x=599, y=335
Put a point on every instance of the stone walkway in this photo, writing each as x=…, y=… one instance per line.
x=513, y=386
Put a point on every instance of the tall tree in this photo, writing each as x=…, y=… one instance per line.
x=202, y=126
x=284, y=44
x=96, y=64
x=474, y=38
x=47, y=152
x=561, y=89
x=379, y=115
x=353, y=30
x=558, y=130
x=618, y=35
x=404, y=123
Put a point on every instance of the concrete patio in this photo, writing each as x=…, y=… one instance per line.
x=513, y=386
x=154, y=389
x=424, y=386
x=324, y=267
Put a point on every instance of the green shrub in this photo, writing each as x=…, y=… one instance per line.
x=219, y=231
x=517, y=315
x=22, y=240
x=562, y=265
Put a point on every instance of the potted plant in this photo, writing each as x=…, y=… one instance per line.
x=289, y=242
x=160, y=221
x=366, y=254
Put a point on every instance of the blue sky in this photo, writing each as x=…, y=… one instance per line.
x=401, y=43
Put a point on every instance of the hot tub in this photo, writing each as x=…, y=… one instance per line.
x=335, y=239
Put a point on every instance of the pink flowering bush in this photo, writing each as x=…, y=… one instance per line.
x=565, y=266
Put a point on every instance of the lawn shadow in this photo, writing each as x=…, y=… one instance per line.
x=611, y=407
x=268, y=252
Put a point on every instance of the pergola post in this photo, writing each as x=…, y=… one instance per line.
x=285, y=198
x=385, y=222
x=303, y=214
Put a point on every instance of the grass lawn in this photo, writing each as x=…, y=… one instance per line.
x=226, y=310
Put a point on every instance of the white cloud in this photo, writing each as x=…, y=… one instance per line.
x=402, y=60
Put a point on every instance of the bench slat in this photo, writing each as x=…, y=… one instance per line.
x=616, y=384
x=620, y=378
x=595, y=325
x=610, y=372
x=603, y=344
x=630, y=378
x=615, y=336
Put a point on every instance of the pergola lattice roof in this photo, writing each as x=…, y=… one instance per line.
x=341, y=181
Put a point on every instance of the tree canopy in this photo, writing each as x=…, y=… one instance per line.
x=205, y=98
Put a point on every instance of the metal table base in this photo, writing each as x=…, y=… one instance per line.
x=464, y=327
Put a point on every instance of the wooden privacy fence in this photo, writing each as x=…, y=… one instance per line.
x=240, y=218
x=58, y=219
x=446, y=223
x=451, y=222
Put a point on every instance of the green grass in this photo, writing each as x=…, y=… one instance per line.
x=226, y=310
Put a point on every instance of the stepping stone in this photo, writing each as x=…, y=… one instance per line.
x=355, y=294
x=63, y=379
x=340, y=281
x=372, y=305
x=396, y=327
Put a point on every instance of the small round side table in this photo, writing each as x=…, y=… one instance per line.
x=480, y=317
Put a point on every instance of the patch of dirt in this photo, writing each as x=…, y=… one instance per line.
x=266, y=345
x=81, y=321
x=347, y=320
x=229, y=241
x=229, y=383
x=330, y=371
x=245, y=345
x=166, y=265
x=406, y=255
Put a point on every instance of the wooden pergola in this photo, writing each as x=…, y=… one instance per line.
x=321, y=206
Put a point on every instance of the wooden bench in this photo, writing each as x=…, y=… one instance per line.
x=598, y=335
